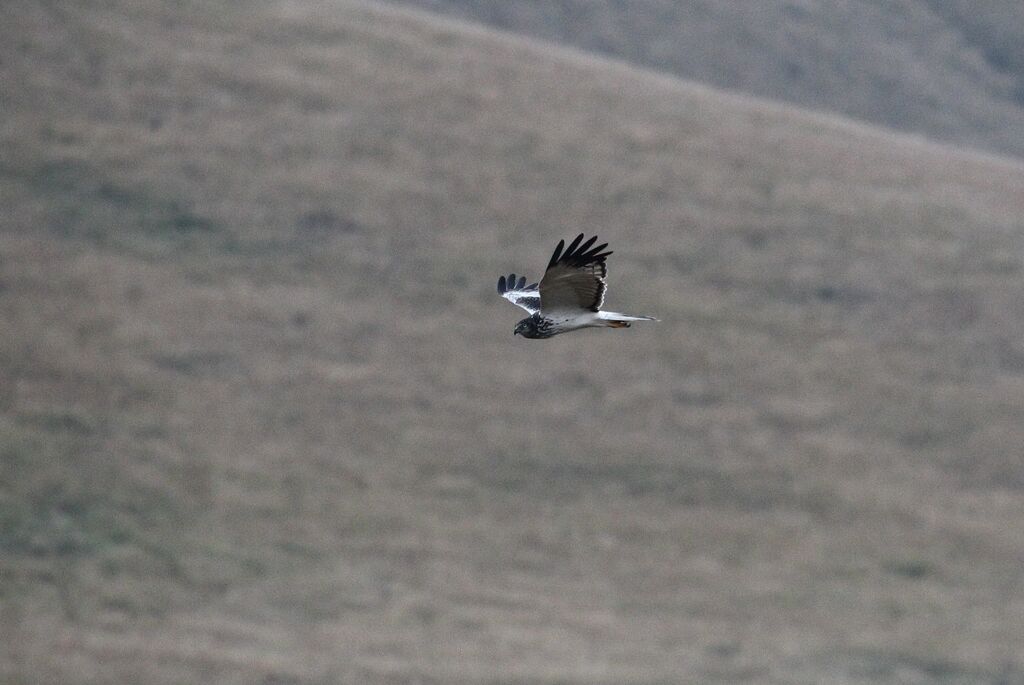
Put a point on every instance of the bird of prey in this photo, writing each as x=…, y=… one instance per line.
x=570, y=294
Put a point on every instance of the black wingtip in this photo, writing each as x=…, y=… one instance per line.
x=578, y=254
x=501, y=285
x=557, y=253
x=522, y=283
x=571, y=250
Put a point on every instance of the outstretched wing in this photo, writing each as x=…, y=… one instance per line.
x=520, y=294
x=575, y=278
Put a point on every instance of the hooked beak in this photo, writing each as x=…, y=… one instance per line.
x=515, y=331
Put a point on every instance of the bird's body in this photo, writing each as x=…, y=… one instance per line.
x=539, y=326
x=569, y=296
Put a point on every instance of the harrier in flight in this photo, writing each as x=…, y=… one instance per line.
x=570, y=294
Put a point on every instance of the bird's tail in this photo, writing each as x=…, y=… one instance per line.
x=616, y=320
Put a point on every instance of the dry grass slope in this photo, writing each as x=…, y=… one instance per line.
x=262, y=418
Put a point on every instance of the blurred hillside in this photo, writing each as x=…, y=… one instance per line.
x=948, y=69
x=263, y=419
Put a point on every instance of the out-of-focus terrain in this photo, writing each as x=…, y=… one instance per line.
x=263, y=419
x=948, y=69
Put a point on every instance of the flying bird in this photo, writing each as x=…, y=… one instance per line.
x=570, y=294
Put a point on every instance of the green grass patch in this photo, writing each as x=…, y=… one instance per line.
x=81, y=202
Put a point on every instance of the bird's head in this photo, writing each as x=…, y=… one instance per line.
x=528, y=328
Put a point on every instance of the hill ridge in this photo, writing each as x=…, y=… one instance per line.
x=895, y=66
x=588, y=59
